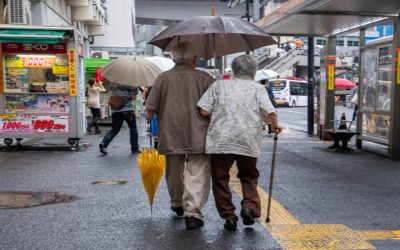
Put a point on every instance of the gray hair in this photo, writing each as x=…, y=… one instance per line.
x=245, y=66
x=184, y=52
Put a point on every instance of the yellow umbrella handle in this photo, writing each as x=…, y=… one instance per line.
x=151, y=139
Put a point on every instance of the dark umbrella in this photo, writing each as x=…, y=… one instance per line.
x=214, y=36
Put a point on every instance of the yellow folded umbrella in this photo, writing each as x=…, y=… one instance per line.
x=152, y=167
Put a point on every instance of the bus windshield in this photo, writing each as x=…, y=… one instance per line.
x=277, y=85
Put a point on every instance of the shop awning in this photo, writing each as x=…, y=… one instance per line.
x=92, y=63
x=33, y=36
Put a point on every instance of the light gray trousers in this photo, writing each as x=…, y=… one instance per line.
x=188, y=180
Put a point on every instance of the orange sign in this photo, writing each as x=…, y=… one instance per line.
x=72, y=80
x=331, y=77
x=1, y=72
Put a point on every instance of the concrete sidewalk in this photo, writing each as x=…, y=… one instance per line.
x=357, y=189
x=322, y=200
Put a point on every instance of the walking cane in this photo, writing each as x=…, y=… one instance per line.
x=271, y=180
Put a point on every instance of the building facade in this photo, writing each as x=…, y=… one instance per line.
x=87, y=16
x=119, y=40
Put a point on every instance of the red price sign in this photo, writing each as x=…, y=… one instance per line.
x=14, y=125
x=47, y=125
x=17, y=124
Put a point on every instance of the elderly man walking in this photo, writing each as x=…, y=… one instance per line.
x=182, y=133
x=238, y=108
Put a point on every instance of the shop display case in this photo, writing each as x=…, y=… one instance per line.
x=377, y=79
x=41, y=86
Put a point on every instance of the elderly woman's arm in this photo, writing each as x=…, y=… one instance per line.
x=204, y=113
x=273, y=119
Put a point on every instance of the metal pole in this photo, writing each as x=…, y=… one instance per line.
x=359, y=92
x=310, y=86
x=328, y=107
x=248, y=17
x=256, y=10
x=248, y=10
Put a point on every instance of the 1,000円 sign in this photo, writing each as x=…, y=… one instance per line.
x=34, y=124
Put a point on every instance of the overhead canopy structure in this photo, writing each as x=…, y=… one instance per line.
x=327, y=17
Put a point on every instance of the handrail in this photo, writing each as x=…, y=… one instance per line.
x=284, y=58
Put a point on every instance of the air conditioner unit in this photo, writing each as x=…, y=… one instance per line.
x=99, y=54
x=18, y=12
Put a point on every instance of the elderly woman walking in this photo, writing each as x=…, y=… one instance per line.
x=237, y=108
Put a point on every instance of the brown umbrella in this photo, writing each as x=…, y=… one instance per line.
x=131, y=72
x=214, y=36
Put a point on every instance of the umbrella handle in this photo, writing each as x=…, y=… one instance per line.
x=151, y=138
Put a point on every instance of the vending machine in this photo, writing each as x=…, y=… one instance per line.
x=41, y=84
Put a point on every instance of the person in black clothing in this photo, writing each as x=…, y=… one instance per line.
x=287, y=47
x=271, y=98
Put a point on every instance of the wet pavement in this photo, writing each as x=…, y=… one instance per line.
x=334, y=201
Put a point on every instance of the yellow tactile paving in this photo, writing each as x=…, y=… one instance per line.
x=380, y=234
x=292, y=235
x=297, y=142
x=279, y=215
x=318, y=237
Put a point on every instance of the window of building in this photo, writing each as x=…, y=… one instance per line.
x=321, y=41
x=352, y=42
x=340, y=41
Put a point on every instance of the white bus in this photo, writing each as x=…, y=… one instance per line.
x=290, y=91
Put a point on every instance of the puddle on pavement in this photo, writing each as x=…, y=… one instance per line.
x=109, y=183
x=31, y=199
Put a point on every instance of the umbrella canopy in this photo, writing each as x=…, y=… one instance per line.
x=214, y=36
x=162, y=63
x=265, y=74
x=152, y=167
x=341, y=83
x=299, y=43
x=131, y=72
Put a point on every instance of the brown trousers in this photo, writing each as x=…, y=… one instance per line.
x=248, y=176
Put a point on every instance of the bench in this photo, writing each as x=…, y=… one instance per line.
x=343, y=135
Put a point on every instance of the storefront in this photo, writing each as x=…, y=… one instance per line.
x=376, y=90
x=41, y=84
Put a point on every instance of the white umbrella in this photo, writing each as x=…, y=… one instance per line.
x=162, y=63
x=131, y=72
x=265, y=74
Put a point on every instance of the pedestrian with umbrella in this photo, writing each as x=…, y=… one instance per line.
x=237, y=109
x=181, y=133
x=126, y=75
